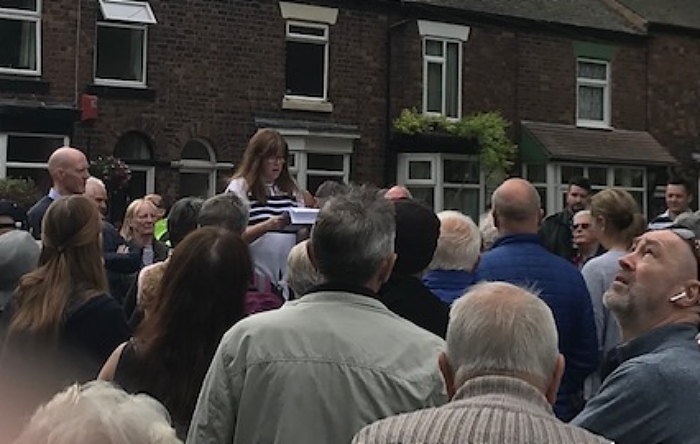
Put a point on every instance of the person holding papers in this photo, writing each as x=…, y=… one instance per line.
x=263, y=181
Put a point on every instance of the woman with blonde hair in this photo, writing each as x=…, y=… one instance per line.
x=264, y=183
x=62, y=323
x=617, y=220
x=138, y=230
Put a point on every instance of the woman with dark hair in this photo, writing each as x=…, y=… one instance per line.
x=263, y=181
x=200, y=296
x=62, y=323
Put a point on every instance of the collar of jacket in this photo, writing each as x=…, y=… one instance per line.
x=518, y=238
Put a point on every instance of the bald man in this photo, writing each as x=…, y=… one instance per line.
x=519, y=257
x=68, y=168
x=398, y=192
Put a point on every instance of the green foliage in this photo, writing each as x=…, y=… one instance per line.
x=23, y=192
x=489, y=129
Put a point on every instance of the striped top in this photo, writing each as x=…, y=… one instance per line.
x=485, y=410
x=269, y=251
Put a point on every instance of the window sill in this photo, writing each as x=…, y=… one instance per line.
x=307, y=105
x=29, y=85
x=122, y=92
x=593, y=125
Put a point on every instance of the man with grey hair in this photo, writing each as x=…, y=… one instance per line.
x=519, y=257
x=450, y=272
x=323, y=366
x=225, y=210
x=501, y=389
x=68, y=168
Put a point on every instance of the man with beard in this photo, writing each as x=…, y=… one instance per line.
x=556, y=232
x=651, y=390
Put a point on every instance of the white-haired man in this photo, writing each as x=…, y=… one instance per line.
x=459, y=245
x=651, y=390
x=502, y=387
x=68, y=168
x=324, y=366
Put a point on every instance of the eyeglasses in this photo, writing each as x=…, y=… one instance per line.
x=276, y=159
x=582, y=226
x=689, y=237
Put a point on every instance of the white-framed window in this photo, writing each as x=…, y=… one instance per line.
x=198, y=169
x=442, y=67
x=134, y=149
x=552, y=181
x=20, y=37
x=25, y=155
x=306, y=63
x=592, y=93
x=121, y=48
x=444, y=181
x=315, y=158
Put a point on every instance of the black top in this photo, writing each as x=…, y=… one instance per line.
x=409, y=298
x=32, y=370
x=557, y=236
x=36, y=214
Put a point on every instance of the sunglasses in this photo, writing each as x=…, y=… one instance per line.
x=583, y=226
x=690, y=239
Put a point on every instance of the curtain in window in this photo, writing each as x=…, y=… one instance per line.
x=452, y=81
x=27, y=49
x=591, y=103
x=137, y=38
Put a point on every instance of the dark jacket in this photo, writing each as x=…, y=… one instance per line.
x=522, y=260
x=556, y=235
x=409, y=298
x=36, y=214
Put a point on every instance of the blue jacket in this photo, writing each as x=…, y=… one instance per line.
x=521, y=259
x=448, y=285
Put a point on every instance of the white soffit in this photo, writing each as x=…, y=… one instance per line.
x=444, y=30
x=128, y=11
x=308, y=13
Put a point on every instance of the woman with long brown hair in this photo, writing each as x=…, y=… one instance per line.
x=263, y=181
x=200, y=296
x=62, y=323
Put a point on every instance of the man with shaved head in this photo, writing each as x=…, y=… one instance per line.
x=651, y=390
x=68, y=168
x=519, y=257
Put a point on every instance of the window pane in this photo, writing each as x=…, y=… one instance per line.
x=314, y=180
x=420, y=170
x=120, y=53
x=433, y=47
x=31, y=148
x=462, y=199
x=537, y=173
x=542, y=191
x=327, y=162
x=291, y=161
x=132, y=146
x=434, y=84
x=425, y=195
x=195, y=150
x=194, y=184
x=40, y=176
x=590, y=102
x=137, y=185
x=305, y=69
x=307, y=30
x=639, y=198
x=24, y=5
x=598, y=176
x=18, y=47
x=452, y=85
x=569, y=171
x=461, y=171
x=592, y=70
x=629, y=177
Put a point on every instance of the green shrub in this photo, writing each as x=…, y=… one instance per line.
x=24, y=192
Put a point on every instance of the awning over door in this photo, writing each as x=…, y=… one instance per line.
x=546, y=142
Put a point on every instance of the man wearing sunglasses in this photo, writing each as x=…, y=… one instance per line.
x=652, y=389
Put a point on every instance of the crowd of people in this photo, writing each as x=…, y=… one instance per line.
x=220, y=321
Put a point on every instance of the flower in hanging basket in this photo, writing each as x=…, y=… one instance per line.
x=113, y=172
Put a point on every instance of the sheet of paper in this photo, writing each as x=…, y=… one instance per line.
x=303, y=216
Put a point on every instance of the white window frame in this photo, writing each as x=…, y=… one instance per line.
x=198, y=166
x=5, y=164
x=150, y=176
x=302, y=142
x=442, y=60
x=144, y=61
x=594, y=83
x=27, y=16
x=310, y=39
x=437, y=181
x=447, y=33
